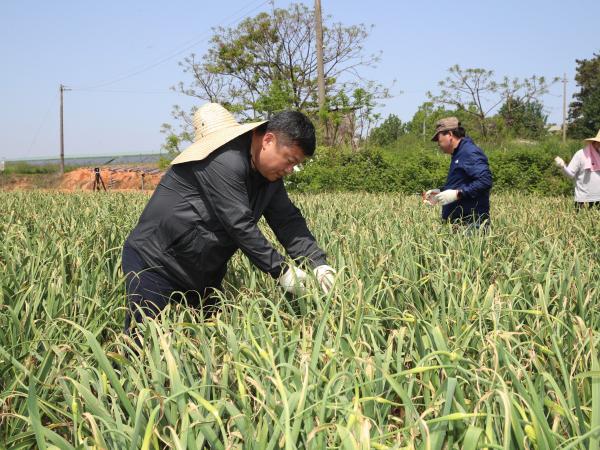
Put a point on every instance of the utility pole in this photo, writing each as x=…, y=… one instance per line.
x=564, y=124
x=320, y=69
x=62, y=137
x=425, y=111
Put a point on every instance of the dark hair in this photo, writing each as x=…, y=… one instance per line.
x=293, y=127
x=458, y=132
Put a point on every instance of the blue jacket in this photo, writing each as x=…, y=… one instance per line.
x=470, y=172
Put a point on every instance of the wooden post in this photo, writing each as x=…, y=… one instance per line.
x=320, y=68
x=564, y=124
x=62, y=137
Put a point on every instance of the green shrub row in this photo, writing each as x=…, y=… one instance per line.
x=412, y=165
x=25, y=168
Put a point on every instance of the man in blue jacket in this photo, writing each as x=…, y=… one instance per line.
x=465, y=198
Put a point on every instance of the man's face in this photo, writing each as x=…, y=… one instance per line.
x=445, y=142
x=275, y=159
x=596, y=145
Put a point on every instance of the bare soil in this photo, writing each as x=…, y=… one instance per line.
x=82, y=179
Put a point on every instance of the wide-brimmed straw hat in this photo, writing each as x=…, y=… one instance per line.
x=214, y=127
x=594, y=139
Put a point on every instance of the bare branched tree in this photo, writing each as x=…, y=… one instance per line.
x=476, y=92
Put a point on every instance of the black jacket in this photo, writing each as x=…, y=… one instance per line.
x=203, y=211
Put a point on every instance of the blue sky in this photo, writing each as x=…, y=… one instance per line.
x=86, y=44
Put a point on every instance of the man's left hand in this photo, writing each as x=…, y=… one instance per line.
x=447, y=196
x=292, y=280
x=325, y=276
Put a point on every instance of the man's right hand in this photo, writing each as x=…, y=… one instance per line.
x=429, y=196
x=292, y=280
x=559, y=162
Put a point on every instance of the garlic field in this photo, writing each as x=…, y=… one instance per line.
x=429, y=340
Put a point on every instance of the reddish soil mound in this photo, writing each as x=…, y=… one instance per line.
x=114, y=178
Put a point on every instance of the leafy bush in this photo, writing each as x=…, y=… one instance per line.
x=163, y=163
x=412, y=165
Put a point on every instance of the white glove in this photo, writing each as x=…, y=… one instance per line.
x=447, y=196
x=292, y=281
x=429, y=196
x=325, y=276
x=559, y=162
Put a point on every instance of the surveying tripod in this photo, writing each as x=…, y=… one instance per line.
x=98, y=181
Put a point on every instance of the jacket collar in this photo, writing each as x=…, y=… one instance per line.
x=461, y=144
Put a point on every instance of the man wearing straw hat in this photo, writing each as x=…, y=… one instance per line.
x=465, y=198
x=208, y=205
x=584, y=169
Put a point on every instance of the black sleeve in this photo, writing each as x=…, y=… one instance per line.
x=225, y=188
x=291, y=230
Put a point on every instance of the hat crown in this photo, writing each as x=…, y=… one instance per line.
x=210, y=118
x=447, y=123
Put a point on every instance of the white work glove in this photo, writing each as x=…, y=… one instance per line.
x=447, y=196
x=429, y=196
x=292, y=280
x=560, y=163
x=325, y=276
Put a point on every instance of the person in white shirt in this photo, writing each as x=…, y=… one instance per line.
x=584, y=169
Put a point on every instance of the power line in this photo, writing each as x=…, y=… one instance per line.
x=143, y=69
x=128, y=91
x=42, y=122
x=187, y=46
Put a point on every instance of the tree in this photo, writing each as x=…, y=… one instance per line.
x=524, y=119
x=174, y=141
x=388, y=132
x=584, y=112
x=476, y=92
x=423, y=121
x=349, y=118
x=268, y=63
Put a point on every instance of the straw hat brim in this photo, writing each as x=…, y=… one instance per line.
x=206, y=145
x=593, y=139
